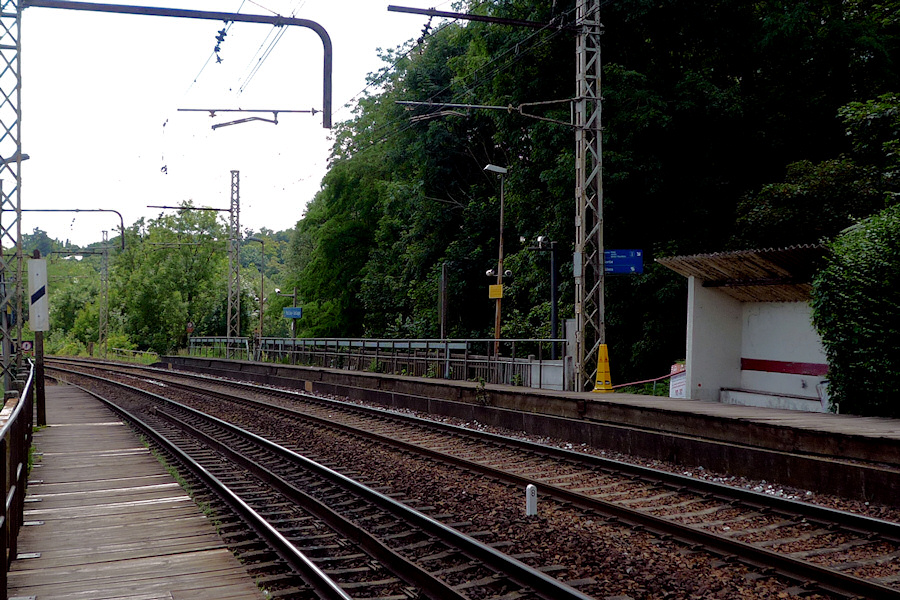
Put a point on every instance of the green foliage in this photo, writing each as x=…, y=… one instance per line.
x=705, y=106
x=874, y=129
x=171, y=272
x=814, y=203
x=745, y=123
x=74, y=285
x=856, y=309
x=87, y=324
x=62, y=344
x=121, y=341
x=817, y=200
x=38, y=240
x=659, y=388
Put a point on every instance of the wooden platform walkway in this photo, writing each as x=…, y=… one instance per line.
x=106, y=521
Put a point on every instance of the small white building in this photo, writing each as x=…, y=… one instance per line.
x=750, y=338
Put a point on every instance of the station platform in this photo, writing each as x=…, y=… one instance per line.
x=867, y=439
x=104, y=520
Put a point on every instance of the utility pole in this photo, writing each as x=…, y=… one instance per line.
x=102, y=335
x=588, y=258
x=590, y=320
x=11, y=263
x=234, y=263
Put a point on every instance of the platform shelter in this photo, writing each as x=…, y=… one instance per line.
x=750, y=338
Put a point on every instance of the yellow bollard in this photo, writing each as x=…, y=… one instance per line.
x=604, y=380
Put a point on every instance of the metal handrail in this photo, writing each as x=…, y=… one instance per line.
x=15, y=441
x=520, y=362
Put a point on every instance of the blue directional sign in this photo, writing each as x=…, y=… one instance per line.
x=292, y=312
x=618, y=262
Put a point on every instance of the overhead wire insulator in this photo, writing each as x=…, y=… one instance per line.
x=220, y=37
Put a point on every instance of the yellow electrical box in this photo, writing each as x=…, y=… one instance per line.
x=495, y=291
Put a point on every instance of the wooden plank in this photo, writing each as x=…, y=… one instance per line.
x=116, y=525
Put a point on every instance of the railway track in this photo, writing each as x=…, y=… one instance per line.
x=373, y=546
x=821, y=550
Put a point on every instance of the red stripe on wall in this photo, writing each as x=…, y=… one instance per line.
x=781, y=366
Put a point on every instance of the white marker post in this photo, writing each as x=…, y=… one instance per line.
x=530, y=500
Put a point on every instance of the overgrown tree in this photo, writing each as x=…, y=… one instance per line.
x=856, y=309
x=705, y=104
x=171, y=272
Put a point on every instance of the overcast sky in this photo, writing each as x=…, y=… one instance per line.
x=100, y=94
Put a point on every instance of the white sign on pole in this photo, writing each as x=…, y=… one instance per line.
x=37, y=289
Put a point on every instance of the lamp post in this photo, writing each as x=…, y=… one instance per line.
x=293, y=298
x=501, y=171
x=545, y=245
x=262, y=281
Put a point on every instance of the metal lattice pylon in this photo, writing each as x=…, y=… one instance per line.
x=234, y=262
x=11, y=263
x=589, y=263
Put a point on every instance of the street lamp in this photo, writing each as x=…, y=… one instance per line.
x=262, y=281
x=293, y=297
x=542, y=243
x=501, y=171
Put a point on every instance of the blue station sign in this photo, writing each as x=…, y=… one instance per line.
x=292, y=312
x=623, y=262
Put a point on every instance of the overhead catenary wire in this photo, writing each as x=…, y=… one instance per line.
x=558, y=20
x=397, y=127
x=387, y=71
x=255, y=67
x=391, y=129
x=263, y=52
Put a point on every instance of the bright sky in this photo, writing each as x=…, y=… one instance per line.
x=100, y=94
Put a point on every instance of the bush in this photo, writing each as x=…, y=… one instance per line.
x=856, y=310
x=64, y=345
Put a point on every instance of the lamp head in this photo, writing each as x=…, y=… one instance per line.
x=496, y=169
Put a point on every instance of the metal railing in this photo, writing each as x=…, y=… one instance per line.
x=221, y=347
x=133, y=355
x=15, y=441
x=522, y=362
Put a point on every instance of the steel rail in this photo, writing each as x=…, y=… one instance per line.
x=409, y=572
x=306, y=568
x=545, y=586
x=886, y=529
x=826, y=578
x=859, y=523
